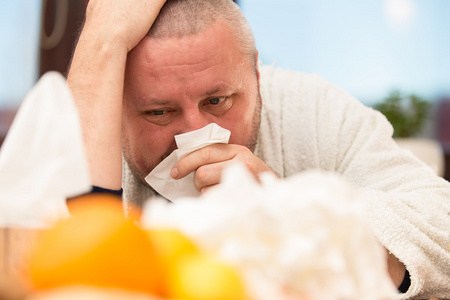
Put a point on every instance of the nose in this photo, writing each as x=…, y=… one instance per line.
x=194, y=119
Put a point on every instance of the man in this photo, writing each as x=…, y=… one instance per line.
x=139, y=82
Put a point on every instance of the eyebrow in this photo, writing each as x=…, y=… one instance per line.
x=218, y=88
x=157, y=102
x=162, y=102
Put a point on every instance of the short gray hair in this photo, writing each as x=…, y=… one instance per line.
x=180, y=18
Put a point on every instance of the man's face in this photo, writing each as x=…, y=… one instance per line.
x=178, y=85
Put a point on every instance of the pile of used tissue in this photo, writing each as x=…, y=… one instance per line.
x=297, y=238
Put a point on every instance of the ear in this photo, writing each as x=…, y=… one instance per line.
x=257, y=65
x=257, y=75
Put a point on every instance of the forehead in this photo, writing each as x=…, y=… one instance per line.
x=214, y=51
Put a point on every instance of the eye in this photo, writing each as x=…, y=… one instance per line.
x=156, y=112
x=218, y=105
x=215, y=101
x=159, y=116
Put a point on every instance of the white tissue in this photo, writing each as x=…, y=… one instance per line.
x=298, y=238
x=159, y=178
x=42, y=160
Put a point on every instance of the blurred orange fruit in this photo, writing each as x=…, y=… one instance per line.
x=97, y=246
x=170, y=244
x=197, y=277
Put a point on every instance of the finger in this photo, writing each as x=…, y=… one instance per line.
x=206, y=189
x=208, y=175
x=204, y=156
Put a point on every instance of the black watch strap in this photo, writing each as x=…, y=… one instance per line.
x=406, y=283
x=99, y=190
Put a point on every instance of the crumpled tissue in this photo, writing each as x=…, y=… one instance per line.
x=159, y=178
x=42, y=160
x=304, y=237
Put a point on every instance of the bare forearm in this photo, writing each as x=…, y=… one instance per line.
x=396, y=269
x=96, y=80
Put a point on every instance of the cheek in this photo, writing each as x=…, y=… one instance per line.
x=146, y=144
x=240, y=123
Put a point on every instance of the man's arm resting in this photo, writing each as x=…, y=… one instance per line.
x=398, y=273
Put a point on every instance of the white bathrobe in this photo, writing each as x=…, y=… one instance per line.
x=307, y=123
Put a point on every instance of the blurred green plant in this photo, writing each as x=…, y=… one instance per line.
x=407, y=114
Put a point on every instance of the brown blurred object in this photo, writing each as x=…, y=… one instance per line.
x=61, y=22
x=6, y=118
x=15, y=244
x=443, y=131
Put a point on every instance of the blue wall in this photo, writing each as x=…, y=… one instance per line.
x=351, y=43
x=19, y=38
x=366, y=47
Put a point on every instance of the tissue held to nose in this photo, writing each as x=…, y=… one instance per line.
x=162, y=177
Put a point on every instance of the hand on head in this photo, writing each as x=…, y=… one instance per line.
x=125, y=22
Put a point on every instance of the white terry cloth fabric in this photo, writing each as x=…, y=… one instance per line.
x=160, y=179
x=319, y=126
x=308, y=123
x=42, y=160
